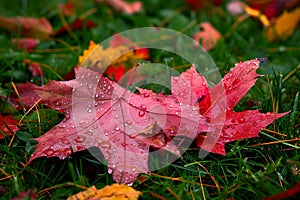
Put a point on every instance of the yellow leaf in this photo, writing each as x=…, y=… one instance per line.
x=112, y=192
x=96, y=56
x=257, y=14
x=284, y=25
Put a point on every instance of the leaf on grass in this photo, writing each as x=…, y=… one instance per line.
x=8, y=125
x=67, y=9
x=207, y=36
x=27, y=96
x=26, y=195
x=112, y=192
x=25, y=43
x=123, y=6
x=27, y=27
x=77, y=24
x=123, y=125
x=289, y=193
x=35, y=68
x=284, y=26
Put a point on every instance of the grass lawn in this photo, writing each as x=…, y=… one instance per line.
x=252, y=168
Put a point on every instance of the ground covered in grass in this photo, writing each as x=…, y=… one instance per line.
x=252, y=169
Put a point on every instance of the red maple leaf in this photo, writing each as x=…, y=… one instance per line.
x=8, y=125
x=123, y=125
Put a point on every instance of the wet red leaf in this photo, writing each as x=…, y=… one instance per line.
x=8, y=125
x=123, y=125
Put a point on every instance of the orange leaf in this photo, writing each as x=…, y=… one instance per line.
x=112, y=192
x=284, y=25
x=209, y=36
x=27, y=27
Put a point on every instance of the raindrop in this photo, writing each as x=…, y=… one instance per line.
x=133, y=169
x=106, y=133
x=117, y=128
x=105, y=145
x=268, y=114
x=141, y=113
x=110, y=171
x=49, y=152
x=170, y=106
x=65, y=140
x=95, y=126
x=128, y=122
x=143, y=107
x=79, y=139
x=146, y=95
x=130, y=184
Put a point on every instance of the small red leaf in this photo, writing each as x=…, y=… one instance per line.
x=27, y=96
x=27, y=27
x=123, y=6
x=25, y=43
x=8, y=125
x=208, y=36
x=77, y=24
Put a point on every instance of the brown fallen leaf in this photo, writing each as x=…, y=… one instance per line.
x=27, y=26
x=284, y=26
x=208, y=34
x=112, y=192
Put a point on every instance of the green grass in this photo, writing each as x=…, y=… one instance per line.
x=252, y=168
